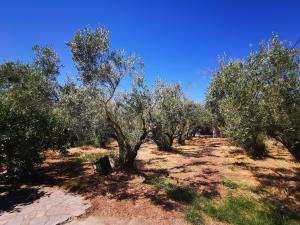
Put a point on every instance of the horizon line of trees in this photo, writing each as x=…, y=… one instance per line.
x=247, y=100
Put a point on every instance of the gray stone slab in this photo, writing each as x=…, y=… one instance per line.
x=54, y=207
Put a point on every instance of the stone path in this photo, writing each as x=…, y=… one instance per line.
x=53, y=207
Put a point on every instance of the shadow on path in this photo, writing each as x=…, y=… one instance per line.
x=11, y=197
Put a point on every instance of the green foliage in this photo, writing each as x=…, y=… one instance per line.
x=167, y=114
x=182, y=194
x=94, y=61
x=195, y=117
x=259, y=97
x=84, y=116
x=28, y=122
x=101, y=70
x=174, y=115
x=47, y=62
x=91, y=111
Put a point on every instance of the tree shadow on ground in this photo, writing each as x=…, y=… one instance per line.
x=285, y=180
x=124, y=186
x=12, y=197
x=56, y=173
x=27, y=190
x=78, y=177
x=278, y=186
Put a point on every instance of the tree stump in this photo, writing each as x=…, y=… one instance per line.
x=103, y=166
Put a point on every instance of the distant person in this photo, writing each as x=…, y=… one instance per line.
x=214, y=132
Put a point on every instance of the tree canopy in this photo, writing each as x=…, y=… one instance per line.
x=248, y=100
x=259, y=97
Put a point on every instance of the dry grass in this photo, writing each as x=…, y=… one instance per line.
x=214, y=168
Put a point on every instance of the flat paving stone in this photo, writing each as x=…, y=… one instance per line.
x=53, y=207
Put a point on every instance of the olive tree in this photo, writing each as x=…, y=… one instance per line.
x=195, y=118
x=28, y=122
x=86, y=121
x=168, y=114
x=102, y=69
x=184, y=128
x=237, y=111
x=259, y=97
x=280, y=86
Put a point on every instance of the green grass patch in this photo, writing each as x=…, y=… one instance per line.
x=177, y=193
x=159, y=183
x=195, y=213
x=91, y=157
x=181, y=194
x=239, y=210
x=235, y=184
x=230, y=183
x=194, y=216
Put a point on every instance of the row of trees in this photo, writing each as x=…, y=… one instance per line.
x=248, y=100
x=259, y=97
x=37, y=114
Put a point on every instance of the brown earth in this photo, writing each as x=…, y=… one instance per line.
x=125, y=198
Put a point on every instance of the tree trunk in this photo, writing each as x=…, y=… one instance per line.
x=130, y=156
x=102, y=143
x=294, y=148
x=258, y=146
x=181, y=140
x=194, y=134
x=128, y=153
x=295, y=151
x=188, y=136
x=165, y=142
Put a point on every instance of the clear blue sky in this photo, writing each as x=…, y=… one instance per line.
x=179, y=40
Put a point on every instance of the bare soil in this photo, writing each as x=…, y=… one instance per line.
x=125, y=198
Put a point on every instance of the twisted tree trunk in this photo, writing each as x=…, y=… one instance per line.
x=130, y=152
x=127, y=152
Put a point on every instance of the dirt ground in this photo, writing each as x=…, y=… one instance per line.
x=125, y=198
